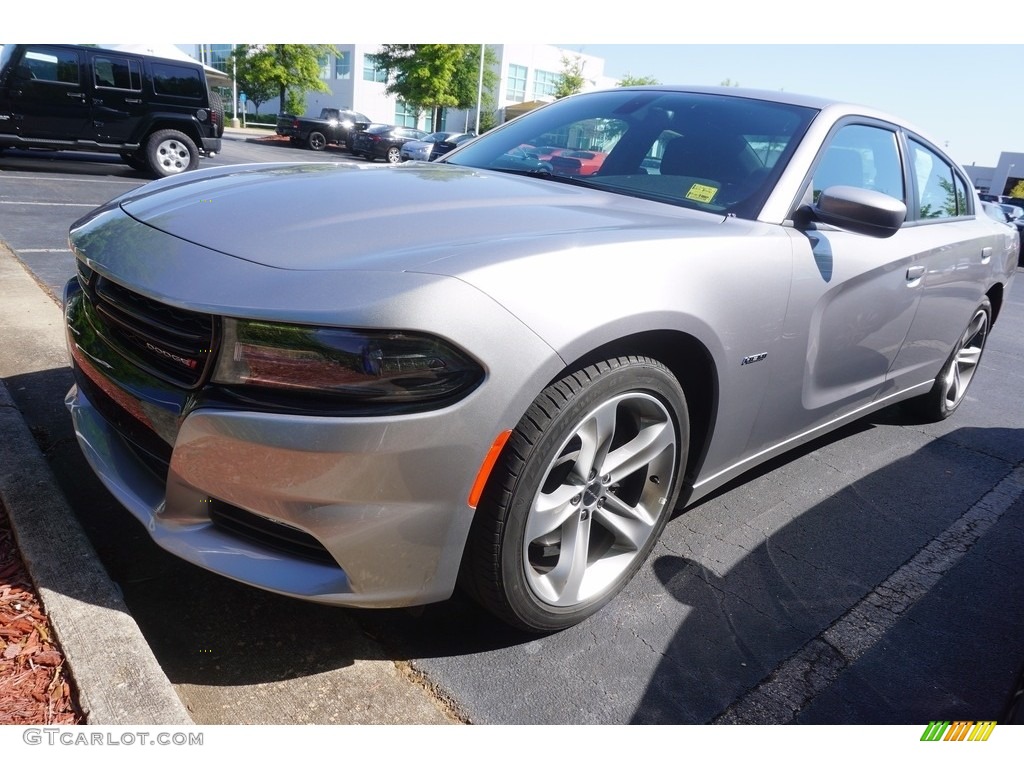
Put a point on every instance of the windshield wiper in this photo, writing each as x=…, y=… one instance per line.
x=543, y=173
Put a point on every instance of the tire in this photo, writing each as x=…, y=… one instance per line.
x=316, y=141
x=217, y=106
x=134, y=161
x=957, y=373
x=170, y=152
x=603, y=447
x=394, y=155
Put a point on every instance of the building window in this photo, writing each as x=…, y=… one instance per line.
x=371, y=72
x=516, y=83
x=544, y=83
x=218, y=56
x=343, y=65
x=406, y=115
x=325, y=66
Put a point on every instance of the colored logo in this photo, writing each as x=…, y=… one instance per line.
x=959, y=730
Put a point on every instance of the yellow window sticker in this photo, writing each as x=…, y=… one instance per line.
x=702, y=193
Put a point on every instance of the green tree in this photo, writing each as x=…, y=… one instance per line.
x=250, y=64
x=727, y=83
x=570, y=79
x=287, y=70
x=1017, y=190
x=628, y=80
x=436, y=76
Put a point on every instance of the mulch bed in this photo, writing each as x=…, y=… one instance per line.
x=34, y=689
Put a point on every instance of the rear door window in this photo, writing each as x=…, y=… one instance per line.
x=117, y=72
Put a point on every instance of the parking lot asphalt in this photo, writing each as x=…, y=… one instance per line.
x=116, y=675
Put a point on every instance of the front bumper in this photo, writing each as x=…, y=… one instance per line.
x=381, y=499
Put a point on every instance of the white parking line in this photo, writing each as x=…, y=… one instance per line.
x=808, y=672
x=63, y=179
x=65, y=205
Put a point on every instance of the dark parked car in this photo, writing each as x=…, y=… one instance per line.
x=158, y=114
x=424, y=148
x=367, y=385
x=442, y=148
x=384, y=142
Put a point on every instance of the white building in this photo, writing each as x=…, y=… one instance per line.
x=526, y=74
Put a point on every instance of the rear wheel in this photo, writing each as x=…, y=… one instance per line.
x=394, y=155
x=170, y=152
x=316, y=141
x=956, y=375
x=579, y=495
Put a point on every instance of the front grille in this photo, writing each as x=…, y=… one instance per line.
x=139, y=437
x=173, y=344
x=269, y=533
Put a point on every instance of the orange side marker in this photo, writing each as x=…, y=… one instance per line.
x=487, y=466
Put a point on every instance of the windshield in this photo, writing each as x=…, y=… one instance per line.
x=711, y=152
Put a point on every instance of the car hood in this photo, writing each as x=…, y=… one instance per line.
x=343, y=216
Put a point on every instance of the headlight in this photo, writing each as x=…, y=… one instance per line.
x=362, y=365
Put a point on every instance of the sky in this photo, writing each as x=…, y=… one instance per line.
x=970, y=109
x=951, y=74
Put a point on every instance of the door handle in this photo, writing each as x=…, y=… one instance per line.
x=76, y=95
x=914, y=272
x=986, y=254
x=133, y=101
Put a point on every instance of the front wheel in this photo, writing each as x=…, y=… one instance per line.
x=951, y=384
x=580, y=494
x=171, y=152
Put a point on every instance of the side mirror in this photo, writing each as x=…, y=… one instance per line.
x=863, y=211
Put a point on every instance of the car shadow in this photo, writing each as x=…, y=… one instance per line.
x=736, y=627
x=76, y=163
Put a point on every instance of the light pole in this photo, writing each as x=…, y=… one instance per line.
x=234, y=88
x=479, y=90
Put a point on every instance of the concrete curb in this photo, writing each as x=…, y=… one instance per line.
x=118, y=679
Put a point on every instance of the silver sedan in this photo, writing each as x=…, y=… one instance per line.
x=422, y=148
x=365, y=386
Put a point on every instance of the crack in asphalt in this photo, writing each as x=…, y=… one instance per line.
x=794, y=683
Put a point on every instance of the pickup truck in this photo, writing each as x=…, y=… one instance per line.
x=334, y=126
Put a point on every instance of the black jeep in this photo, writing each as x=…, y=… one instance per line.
x=158, y=114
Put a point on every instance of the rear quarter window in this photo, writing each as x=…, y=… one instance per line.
x=172, y=80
